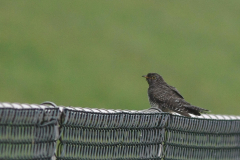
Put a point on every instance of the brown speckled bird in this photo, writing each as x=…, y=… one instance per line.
x=167, y=98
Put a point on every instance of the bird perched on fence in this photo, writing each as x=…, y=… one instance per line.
x=167, y=98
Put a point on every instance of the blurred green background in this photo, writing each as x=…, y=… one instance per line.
x=93, y=53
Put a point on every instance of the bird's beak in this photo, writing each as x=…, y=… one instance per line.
x=145, y=76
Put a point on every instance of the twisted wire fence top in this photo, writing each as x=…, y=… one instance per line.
x=31, y=131
x=15, y=113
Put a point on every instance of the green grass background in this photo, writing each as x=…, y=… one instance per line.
x=93, y=53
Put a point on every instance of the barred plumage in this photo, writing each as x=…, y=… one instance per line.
x=167, y=98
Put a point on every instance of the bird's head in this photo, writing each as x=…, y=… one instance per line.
x=153, y=78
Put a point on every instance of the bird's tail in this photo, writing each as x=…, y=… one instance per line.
x=195, y=110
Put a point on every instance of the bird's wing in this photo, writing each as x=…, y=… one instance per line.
x=176, y=91
x=164, y=93
x=173, y=104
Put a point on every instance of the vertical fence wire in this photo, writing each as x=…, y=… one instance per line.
x=27, y=131
x=103, y=134
x=31, y=132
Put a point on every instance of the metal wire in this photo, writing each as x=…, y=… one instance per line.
x=31, y=132
x=148, y=134
x=111, y=134
x=27, y=131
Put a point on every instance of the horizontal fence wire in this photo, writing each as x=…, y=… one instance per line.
x=216, y=137
x=27, y=132
x=30, y=131
x=114, y=134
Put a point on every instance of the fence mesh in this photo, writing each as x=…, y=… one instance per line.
x=27, y=131
x=31, y=132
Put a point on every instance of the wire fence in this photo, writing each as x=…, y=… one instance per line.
x=47, y=131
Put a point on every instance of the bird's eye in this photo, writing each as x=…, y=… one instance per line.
x=153, y=77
